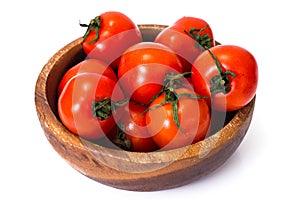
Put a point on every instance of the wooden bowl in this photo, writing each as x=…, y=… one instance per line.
x=131, y=170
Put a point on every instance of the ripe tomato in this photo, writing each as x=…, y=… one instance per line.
x=193, y=116
x=228, y=93
x=133, y=125
x=142, y=70
x=109, y=35
x=76, y=104
x=87, y=66
x=183, y=37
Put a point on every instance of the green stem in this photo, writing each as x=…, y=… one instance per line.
x=95, y=25
x=191, y=96
x=218, y=64
x=173, y=81
x=170, y=81
x=173, y=98
x=204, y=41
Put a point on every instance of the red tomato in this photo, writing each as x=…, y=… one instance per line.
x=109, y=35
x=87, y=66
x=75, y=104
x=193, y=115
x=235, y=92
x=178, y=38
x=134, y=127
x=142, y=70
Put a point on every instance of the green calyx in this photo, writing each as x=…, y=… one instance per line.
x=95, y=25
x=220, y=82
x=103, y=108
x=121, y=140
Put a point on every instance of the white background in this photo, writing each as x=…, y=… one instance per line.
x=266, y=165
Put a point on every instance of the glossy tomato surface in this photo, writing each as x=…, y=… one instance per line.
x=143, y=68
x=134, y=126
x=116, y=33
x=87, y=66
x=75, y=104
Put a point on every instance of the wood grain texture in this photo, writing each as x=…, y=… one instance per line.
x=131, y=170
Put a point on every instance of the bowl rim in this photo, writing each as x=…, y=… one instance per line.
x=57, y=130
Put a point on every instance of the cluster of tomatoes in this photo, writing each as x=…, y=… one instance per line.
x=146, y=96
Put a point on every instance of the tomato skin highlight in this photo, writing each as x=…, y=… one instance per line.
x=143, y=68
x=87, y=66
x=117, y=32
x=134, y=126
x=194, y=117
x=75, y=104
x=232, y=58
x=182, y=43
